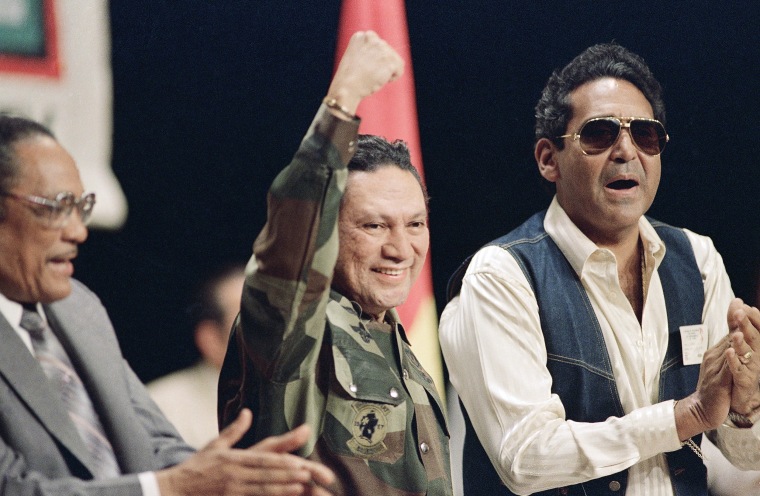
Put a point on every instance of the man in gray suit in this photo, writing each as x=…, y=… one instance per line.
x=74, y=418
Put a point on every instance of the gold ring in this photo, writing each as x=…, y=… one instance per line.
x=744, y=359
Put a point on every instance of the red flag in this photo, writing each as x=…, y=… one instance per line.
x=392, y=113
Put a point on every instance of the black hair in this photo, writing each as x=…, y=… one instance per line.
x=206, y=304
x=554, y=109
x=374, y=152
x=12, y=130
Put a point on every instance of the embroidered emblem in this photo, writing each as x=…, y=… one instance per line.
x=363, y=333
x=368, y=429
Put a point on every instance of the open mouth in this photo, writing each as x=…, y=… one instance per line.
x=62, y=266
x=64, y=257
x=623, y=184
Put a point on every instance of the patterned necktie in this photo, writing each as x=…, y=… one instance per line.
x=57, y=366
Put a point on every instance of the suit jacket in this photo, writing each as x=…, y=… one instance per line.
x=41, y=451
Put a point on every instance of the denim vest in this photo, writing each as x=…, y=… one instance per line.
x=577, y=356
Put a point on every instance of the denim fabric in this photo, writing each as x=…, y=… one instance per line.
x=577, y=355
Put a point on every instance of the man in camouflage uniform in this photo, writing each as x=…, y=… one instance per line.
x=318, y=339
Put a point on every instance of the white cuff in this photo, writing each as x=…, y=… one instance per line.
x=148, y=484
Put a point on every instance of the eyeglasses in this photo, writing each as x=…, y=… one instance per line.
x=56, y=213
x=598, y=134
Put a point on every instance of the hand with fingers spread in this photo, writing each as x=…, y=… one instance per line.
x=743, y=356
x=265, y=468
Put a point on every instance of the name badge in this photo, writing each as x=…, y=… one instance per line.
x=693, y=343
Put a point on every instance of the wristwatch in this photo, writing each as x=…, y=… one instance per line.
x=744, y=421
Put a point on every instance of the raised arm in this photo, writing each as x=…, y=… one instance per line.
x=288, y=278
x=281, y=325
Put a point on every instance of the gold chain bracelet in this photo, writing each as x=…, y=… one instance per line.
x=696, y=449
x=333, y=104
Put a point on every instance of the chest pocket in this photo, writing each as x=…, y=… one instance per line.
x=367, y=405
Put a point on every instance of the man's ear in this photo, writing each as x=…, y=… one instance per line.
x=546, y=158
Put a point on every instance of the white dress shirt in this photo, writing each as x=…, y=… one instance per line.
x=188, y=399
x=493, y=345
x=724, y=479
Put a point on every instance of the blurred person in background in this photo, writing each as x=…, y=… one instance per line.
x=188, y=397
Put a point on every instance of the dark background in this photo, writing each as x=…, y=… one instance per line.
x=211, y=99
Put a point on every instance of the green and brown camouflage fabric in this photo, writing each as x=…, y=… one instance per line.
x=303, y=353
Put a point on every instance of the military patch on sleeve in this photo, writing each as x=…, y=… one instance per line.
x=368, y=429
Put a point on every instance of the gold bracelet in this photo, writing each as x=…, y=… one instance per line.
x=691, y=444
x=333, y=104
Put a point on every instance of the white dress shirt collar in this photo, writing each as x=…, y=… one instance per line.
x=11, y=311
x=578, y=248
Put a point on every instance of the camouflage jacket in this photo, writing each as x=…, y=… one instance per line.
x=301, y=352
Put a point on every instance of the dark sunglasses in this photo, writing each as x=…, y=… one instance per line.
x=600, y=133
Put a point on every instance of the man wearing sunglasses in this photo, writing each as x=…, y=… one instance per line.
x=590, y=347
x=74, y=418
